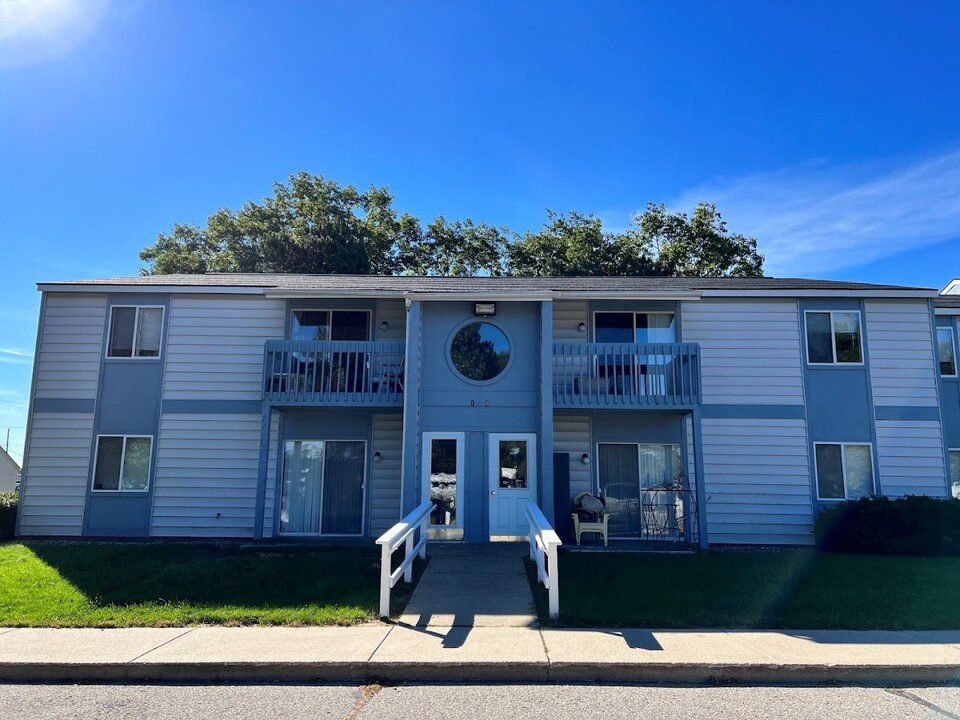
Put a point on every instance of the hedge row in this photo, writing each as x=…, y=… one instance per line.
x=8, y=514
x=880, y=526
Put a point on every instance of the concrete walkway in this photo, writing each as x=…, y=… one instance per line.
x=473, y=585
x=402, y=653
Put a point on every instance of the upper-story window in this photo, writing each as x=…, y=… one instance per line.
x=834, y=337
x=629, y=327
x=330, y=325
x=946, y=352
x=135, y=331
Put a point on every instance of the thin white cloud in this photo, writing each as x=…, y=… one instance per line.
x=816, y=218
x=15, y=356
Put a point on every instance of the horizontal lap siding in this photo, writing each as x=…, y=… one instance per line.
x=394, y=313
x=571, y=435
x=567, y=316
x=902, y=364
x=215, y=346
x=911, y=458
x=757, y=478
x=71, y=343
x=57, y=468
x=750, y=352
x=206, y=466
x=269, y=502
x=385, y=475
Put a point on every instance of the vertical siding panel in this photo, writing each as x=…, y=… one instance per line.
x=215, y=346
x=71, y=342
x=205, y=483
x=902, y=351
x=385, y=475
x=572, y=435
x=750, y=350
x=758, y=487
x=911, y=458
x=57, y=467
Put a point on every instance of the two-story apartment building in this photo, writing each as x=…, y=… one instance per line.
x=716, y=410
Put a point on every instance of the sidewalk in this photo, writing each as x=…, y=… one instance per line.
x=448, y=653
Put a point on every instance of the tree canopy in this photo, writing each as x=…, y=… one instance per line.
x=314, y=225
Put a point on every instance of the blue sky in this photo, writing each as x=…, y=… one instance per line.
x=828, y=130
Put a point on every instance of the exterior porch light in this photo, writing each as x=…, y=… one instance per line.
x=582, y=327
x=377, y=457
x=384, y=326
x=585, y=459
x=485, y=309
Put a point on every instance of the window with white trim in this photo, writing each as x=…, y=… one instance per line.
x=844, y=470
x=954, y=461
x=946, y=352
x=135, y=331
x=122, y=463
x=834, y=337
x=321, y=325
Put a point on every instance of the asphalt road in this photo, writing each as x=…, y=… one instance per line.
x=455, y=702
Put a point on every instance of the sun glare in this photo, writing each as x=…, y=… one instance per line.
x=33, y=31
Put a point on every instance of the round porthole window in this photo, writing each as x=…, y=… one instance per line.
x=480, y=351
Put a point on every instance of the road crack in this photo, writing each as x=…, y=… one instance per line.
x=920, y=701
x=367, y=693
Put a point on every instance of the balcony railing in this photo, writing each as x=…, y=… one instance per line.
x=300, y=372
x=626, y=374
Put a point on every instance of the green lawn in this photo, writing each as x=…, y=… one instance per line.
x=80, y=584
x=798, y=589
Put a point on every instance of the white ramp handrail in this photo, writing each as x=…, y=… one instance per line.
x=402, y=534
x=544, y=542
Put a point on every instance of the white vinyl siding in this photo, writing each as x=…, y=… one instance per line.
x=270, y=499
x=71, y=343
x=57, y=469
x=903, y=365
x=750, y=351
x=205, y=482
x=215, y=346
x=394, y=313
x=758, y=482
x=911, y=458
x=571, y=435
x=385, y=510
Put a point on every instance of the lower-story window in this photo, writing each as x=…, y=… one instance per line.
x=844, y=470
x=122, y=463
x=955, y=473
x=323, y=484
x=636, y=481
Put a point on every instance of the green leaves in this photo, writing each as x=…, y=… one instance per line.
x=314, y=225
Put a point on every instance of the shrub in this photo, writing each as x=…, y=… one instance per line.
x=8, y=514
x=911, y=525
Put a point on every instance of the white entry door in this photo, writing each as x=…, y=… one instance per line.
x=513, y=483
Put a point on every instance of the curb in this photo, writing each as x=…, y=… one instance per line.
x=639, y=673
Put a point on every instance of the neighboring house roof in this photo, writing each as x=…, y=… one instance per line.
x=398, y=286
x=952, y=288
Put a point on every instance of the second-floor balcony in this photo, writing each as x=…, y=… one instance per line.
x=626, y=375
x=299, y=372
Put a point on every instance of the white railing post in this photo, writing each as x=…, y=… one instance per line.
x=544, y=542
x=402, y=534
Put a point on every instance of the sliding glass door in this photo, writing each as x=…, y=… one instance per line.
x=636, y=480
x=323, y=487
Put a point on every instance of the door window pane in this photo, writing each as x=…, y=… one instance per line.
x=656, y=328
x=513, y=464
x=106, y=475
x=859, y=467
x=945, y=351
x=955, y=473
x=614, y=327
x=846, y=328
x=136, y=464
x=829, y=472
x=620, y=487
x=443, y=481
x=310, y=325
x=149, y=326
x=121, y=332
x=819, y=338
x=300, y=494
x=343, y=473
x=350, y=325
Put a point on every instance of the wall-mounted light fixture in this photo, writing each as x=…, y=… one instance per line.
x=384, y=326
x=377, y=457
x=485, y=309
x=585, y=459
x=582, y=327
